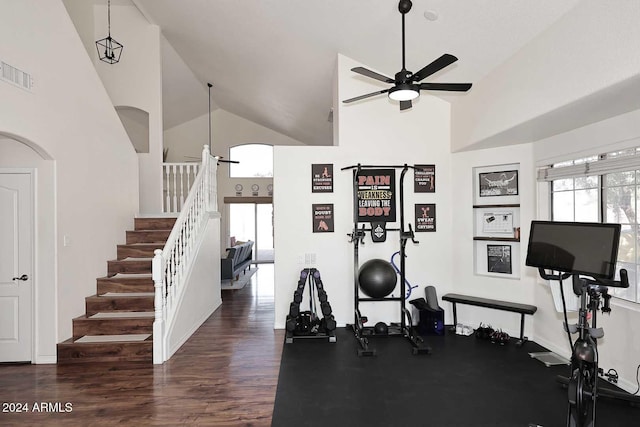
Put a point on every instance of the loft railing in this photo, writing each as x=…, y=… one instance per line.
x=178, y=178
x=171, y=265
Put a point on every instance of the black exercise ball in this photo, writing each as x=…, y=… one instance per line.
x=377, y=278
x=381, y=328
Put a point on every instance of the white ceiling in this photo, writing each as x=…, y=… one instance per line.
x=272, y=61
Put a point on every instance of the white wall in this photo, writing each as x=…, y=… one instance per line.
x=465, y=280
x=136, y=123
x=185, y=143
x=136, y=81
x=201, y=295
x=584, y=68
x=69, y=118
x=621, y=344
x=371, y=132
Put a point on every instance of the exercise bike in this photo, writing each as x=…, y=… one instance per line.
x=583, y=383
x=579, y=250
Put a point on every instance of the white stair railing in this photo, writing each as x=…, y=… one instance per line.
x=171, y=265
x=178, y=178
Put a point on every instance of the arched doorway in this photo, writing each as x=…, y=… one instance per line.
x=27, y=260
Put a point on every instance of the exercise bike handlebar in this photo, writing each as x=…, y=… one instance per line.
x=622, y=283
x=546, y=276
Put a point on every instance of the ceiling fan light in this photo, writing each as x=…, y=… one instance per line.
x=404, y=92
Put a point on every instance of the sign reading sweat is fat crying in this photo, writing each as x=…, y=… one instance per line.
x=376, y=190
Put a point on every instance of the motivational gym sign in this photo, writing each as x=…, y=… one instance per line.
x=322, y=218
x=426, y=217
x=424, y=179
x=376, y=190
x=322, y=178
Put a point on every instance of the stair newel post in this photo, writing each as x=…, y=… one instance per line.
x=213, y=187
x=158, y=324
x=206, y=159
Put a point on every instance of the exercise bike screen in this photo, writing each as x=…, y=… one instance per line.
x=574, y=247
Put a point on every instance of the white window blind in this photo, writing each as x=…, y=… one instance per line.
x=606, y=163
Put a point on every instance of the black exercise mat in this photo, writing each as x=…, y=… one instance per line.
x=464, y=382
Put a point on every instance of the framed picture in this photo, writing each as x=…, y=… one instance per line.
x=425, y=217
x=424, y=179
x=322, y=178
x=323, y=218
x=500, y=183
x=499, y=259
x=494, y=222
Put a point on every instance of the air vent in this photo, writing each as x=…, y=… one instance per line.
x=15, y=76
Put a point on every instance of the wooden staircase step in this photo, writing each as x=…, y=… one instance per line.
x=147, y=236
x=105, y=349
x=125, y=283
x=119, y=323
x=122, y=310
x=129, y=265
x=119, y=302
x=165, y=223
x=138, y=250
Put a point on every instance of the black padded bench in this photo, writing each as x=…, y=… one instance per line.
x=492, y=303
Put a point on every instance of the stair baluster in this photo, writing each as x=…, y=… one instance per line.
x=174, y=261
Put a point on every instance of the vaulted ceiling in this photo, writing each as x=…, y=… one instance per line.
x=272, y=61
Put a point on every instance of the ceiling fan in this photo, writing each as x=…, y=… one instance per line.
x=406, y=86
x=218, y=158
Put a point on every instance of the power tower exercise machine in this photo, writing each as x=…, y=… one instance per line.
x=374, y=203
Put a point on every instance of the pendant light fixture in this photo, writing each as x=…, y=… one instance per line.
x=109, y=50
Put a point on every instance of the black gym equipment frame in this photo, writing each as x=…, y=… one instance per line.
x=404, y=328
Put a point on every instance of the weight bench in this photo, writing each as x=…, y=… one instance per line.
x=492, y=303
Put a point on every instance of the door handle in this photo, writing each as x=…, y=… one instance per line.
x=23, y=277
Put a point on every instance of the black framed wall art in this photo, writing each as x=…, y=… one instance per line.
x=498, y=183
x=322, y=218
x=322, y=178
x=424, y=179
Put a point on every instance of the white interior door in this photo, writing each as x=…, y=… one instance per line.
x=16, y=230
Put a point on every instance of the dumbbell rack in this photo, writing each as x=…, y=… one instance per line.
x=317, y=328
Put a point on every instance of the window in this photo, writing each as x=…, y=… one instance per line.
x=604, y=188
x=256, y=160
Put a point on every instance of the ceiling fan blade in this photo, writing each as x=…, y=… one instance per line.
x=453, y=87
x=434, y=67
x=358, y=98
x=372, y=74
x=405, y=105
x=228, y=161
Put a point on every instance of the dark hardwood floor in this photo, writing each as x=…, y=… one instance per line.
x=225, y=375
